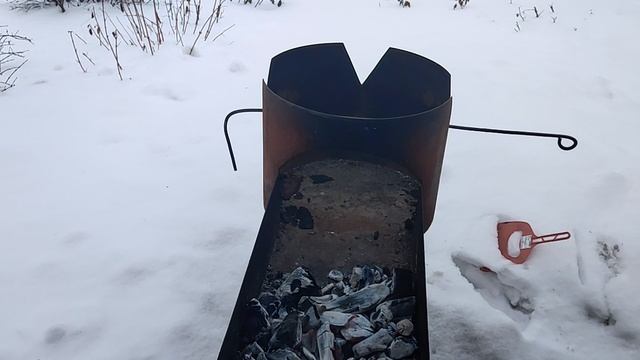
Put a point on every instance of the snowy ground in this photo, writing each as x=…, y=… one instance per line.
x=124, y=234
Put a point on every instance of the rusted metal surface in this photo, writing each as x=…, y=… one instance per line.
x=314, y=102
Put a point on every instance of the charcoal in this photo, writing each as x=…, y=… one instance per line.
x=335, y=276
x=360, y=301
x=281, y=313
x=368, y=276
x=378, y=274
x=393, y=310
x=297, y=284
x=288, y=333
x=326, y=341
x=304, y=304
x=283, y=354
x=339, y=347
x=310, y=341
x=339, y=289
x=402, y=347
x=256, y=320
x=405, y=327
x=253, y=351
x=308, y=354
x=328, y=288
x=357, y=328
x=323, y=299
x=335, y=318
x=393, y=328
x=311, y=319
x=356, y=277
x=374, y=343
x=294, y=312
x=270, y=302
x=379, y=356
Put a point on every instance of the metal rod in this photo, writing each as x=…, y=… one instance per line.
x=560, y=137
x=226, y=132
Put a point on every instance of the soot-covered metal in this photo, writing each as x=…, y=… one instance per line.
x=351, y=174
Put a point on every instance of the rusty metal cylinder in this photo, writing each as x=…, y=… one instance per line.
x=314, y=102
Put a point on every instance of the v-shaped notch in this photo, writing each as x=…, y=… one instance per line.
x=322, y=78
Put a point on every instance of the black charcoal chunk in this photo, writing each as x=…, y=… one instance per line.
x=374, y=343
x=289, y=333
x=297, y=284
x=311, y=319
x=308, y=354
x=356, y=277
x=339, y=289
x=393, y=310
x=335, y=275
x=256, y=320
x=253, y=351
x=310, y=341
x=357, y=328
x=270, y=302
x=282, y=354
x=360, y=301
x=335, y=318
x=326, y=342
x=402, y=347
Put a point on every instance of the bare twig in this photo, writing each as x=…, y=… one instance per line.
x=88, y=58
x=75, y=49
x=209, y=19
x=9, y=57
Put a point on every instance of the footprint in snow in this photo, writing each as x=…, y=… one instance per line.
x=500, y=289
x=163, y=92
x=237, y=67
x=609, y=190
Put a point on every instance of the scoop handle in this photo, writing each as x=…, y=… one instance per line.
x=551, y=238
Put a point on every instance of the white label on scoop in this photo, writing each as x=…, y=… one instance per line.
x=525, y=242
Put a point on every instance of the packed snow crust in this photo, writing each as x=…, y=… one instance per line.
x=124, y=232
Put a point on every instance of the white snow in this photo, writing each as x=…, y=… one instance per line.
x=124, y=233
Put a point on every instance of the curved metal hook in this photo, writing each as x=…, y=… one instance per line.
x=226, y=132
x=560, y=137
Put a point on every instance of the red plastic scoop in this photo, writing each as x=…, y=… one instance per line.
x=527, y=242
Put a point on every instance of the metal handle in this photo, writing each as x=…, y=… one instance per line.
x=226, y=131
x=551, y=237
x=560, y=137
